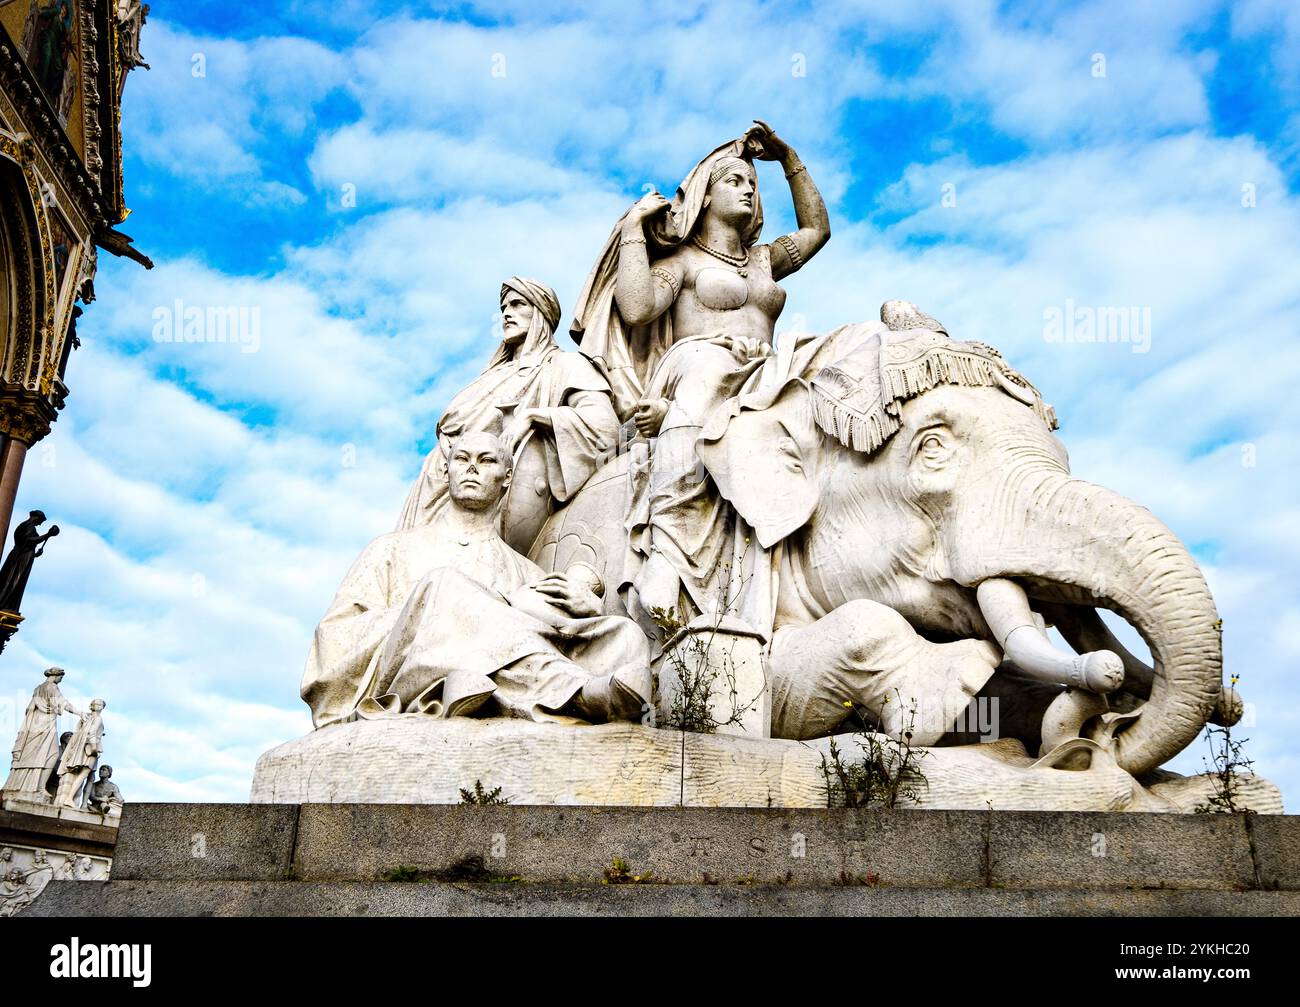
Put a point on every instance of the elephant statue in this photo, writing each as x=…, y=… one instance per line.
x=918, y=523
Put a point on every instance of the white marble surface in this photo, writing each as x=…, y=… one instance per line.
x=418, y=760
x=62, y=812
x=881, y=517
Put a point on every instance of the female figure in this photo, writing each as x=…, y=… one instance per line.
x=678, y=312
x=28, y=544
x=36, y=749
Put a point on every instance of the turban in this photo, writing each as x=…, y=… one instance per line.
x=538, y=294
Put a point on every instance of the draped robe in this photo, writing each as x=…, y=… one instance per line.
x=444, y=624
x=535, y=375
x=36, y=749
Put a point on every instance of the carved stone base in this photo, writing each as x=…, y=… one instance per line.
x=23, y=803
x=40, y=844
x=418, y=760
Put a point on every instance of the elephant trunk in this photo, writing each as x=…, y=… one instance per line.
x=1071, y=542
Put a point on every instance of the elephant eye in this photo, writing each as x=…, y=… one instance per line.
x=932, y=446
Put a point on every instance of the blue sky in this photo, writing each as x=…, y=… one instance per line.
x=211, y=499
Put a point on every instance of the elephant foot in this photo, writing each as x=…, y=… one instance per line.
x=866, y=657
x=620, y=696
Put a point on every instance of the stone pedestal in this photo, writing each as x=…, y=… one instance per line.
x=420, y=760
x=191, y=859
x=41, y=844
x=43, y=809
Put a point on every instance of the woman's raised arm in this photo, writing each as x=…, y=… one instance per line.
x=641, y=298
x=791, y=251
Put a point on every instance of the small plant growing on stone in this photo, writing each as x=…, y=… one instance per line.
x=1224, y=768
x=699, y=678
x=703, y=670
x=847, y=880
x=691, y=708
x=888, y=773
x=469, y=870
x=619, y=873
x=481, y=796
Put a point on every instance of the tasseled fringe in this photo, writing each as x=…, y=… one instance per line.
x=937, y=367
x=863, y=432
x=837, y=398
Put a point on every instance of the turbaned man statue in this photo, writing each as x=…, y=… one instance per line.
x=446, y=619
x=552, y=409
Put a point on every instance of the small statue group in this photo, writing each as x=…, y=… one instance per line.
x=51, y=769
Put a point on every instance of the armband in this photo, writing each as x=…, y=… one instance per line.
x=791, y=251
x=668, y=278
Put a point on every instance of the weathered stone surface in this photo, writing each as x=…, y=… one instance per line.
x=415, y=760
x=205, y=842
x=61, y=812
x=1117, y=851
x=512, y=860
x=424, y=761
x=1275, y=843
x=902, y=848
x=57, y=832
x=261, y=898
x=548, y=844
x=1189, y=792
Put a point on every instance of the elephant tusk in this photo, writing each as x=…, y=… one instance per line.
x=1005, y=608
x=1063, y=720
x=1084, y=630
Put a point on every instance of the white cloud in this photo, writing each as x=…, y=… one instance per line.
x=207, y=106
x=399, y=165
x=283, y=351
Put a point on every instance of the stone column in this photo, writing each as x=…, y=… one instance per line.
x=12, y=454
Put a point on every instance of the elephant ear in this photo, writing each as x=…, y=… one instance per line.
x=760, y=450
